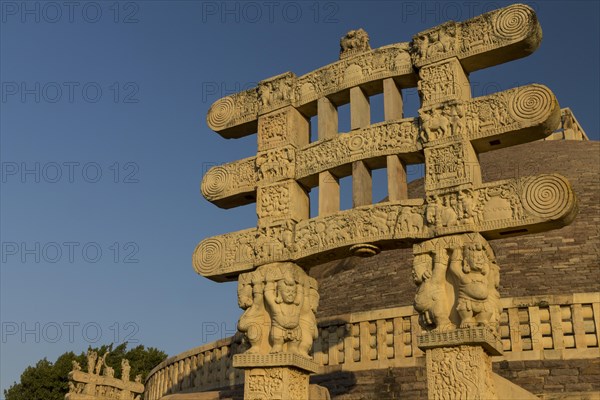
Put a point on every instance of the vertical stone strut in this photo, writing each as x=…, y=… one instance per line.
x=329, y=184
x=396, y=168
x=360, y=117
x=454, y=267
x=279, y=299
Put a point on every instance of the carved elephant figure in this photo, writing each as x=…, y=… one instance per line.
x=430, y=300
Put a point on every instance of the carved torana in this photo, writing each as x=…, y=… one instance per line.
x=454, y=267
x=98, y=381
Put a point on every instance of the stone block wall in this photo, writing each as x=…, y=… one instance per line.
x=392, y=383
x=554, y=379
x=548, y=379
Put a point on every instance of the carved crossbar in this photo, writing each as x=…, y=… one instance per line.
x=237, y=115
x=234, y=184
x=451, y=130
x=85, y=377
x=390, y=225
x=484, y=41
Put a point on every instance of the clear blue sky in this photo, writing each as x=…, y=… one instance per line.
x=104, y=144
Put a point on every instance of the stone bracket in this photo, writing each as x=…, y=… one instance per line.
x=245, y=361
x=479, y=336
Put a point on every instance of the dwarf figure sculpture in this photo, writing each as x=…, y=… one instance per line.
x=280, y=301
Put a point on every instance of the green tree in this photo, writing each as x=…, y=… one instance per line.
x=49, y=381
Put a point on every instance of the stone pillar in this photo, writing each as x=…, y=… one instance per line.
x=329, y=185
x=281, y=201
x=457, y=275
x=458, y=303
x=279, y=324
x=275, y=376
x=453, y=166
x=459, y=363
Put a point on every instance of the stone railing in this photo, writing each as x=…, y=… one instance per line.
x=199, y=369
x=531, y=328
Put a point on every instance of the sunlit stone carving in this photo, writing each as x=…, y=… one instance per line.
x=280, y=302
x=98, y=382
x=458, y=270
x=488, y=122
x=454, y=267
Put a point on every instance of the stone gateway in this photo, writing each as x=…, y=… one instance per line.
x=449, y=228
